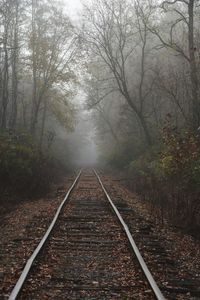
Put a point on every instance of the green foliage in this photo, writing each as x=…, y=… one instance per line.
x=22, y=165
x=181, y=155
x=62, y=109
x=117, y=159
x=169, y=177
x=195, y=171
x=121, y=156
x=147, y=163
x=177, y=161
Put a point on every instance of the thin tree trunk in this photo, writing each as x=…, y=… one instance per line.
x=145, y=129
x=5, y=81
x=43, y=123
x=193, y=68
x=13, y=118
x=34, y=72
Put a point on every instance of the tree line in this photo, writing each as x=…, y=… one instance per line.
x=143, y=87
x=39, y=54
x=38, y=45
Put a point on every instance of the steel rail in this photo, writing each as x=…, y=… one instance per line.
x=17, y=288
x=157, y=292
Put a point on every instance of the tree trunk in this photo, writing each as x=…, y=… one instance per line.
x=141, y=118
x=13, y=118
x=193, y=68
x=5, y=81
x=43, y=123
x=34, y=72
x=147, y=135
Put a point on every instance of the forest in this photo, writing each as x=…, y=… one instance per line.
x=136, y=64
x=38, y=58
x=143, y=88
x=100, y=149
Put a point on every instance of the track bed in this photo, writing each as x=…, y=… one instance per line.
x=87, y=255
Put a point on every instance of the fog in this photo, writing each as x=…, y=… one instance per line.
x=73, y=8
x=113, y=70
x=110, y=80
x=82, y=141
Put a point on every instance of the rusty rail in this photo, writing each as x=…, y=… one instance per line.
x=16, y=290
x=157, y=292
x=18, y=287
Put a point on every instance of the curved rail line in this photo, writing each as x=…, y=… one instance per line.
x=18, y=287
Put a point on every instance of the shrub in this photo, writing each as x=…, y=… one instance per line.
x=22, y=165
x=181, y=156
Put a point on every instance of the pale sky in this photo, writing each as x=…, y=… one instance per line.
x=73, y=7
x=87, y=153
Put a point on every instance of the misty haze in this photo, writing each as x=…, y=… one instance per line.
x=100, y=149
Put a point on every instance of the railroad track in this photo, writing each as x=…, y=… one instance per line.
x=87, y=252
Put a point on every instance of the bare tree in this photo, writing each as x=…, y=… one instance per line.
x=109, y=32
x=185, y=14
x=53, y=46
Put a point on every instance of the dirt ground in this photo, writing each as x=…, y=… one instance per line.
x=18, y=225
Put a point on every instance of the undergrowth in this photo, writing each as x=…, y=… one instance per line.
x=24, y=169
